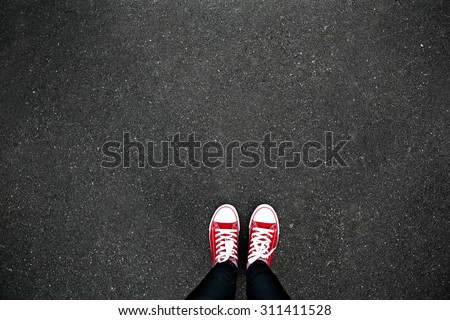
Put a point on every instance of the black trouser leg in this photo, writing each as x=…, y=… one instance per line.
x=219, y=284
x=262, y=284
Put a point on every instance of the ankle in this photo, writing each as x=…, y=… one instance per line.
x=232, y=262
x=228, y=262
x=259, y=260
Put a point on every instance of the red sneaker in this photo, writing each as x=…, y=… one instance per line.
x=223, y=235
x=264, y=232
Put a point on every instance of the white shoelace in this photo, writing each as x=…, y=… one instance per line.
x=260, y=244
x=226, y=244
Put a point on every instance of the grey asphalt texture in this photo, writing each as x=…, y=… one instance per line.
x=75, y=74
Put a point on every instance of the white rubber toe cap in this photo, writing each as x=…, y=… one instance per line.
x=265, y=213
x=226, y=213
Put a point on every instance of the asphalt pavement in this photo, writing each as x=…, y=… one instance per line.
x=75, y=74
